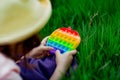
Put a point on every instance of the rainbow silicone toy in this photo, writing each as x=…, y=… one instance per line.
x=63, y=39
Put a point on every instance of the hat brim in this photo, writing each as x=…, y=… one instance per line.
x=12, y=36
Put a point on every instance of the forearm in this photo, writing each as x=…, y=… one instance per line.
x=27, y=56
x=58, y=73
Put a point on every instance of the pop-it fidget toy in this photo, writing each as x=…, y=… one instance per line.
x=63, y=39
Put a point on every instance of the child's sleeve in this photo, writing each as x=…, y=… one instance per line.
x=8, y=69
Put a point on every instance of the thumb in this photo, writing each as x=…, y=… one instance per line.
x=43, y=42
x=57, y=53
x=73, y=52
x=46, y=48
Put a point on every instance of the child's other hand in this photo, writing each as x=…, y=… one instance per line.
x=63, y=61
x=41, y=51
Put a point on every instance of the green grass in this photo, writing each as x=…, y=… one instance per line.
x=98, y=22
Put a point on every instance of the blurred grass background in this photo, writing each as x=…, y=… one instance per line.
x=98, y=22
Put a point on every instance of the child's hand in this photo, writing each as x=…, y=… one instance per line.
x=63, y=61
x=41, y=51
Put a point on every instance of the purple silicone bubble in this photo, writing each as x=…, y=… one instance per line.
x=52, y=51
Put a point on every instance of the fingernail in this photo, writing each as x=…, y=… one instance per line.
x=50, y=47
x=57, y=51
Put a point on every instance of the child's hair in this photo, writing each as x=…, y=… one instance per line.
x=22, y=48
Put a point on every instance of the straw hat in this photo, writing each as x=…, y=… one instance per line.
x=20, y=19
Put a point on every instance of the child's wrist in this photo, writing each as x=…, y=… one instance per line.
x=61, y=69
x=31, y=53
